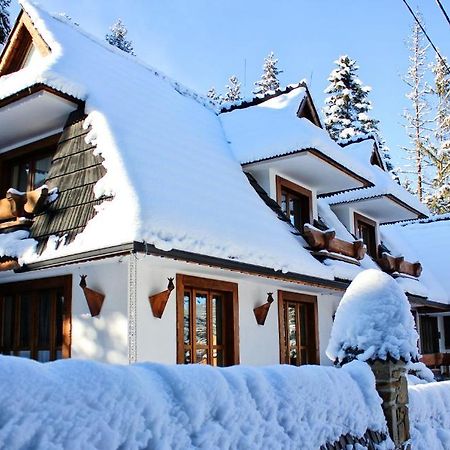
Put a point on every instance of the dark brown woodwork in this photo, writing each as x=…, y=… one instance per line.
x=364, y=223
x=53, y=286
x=230, y=290
x=312, y=332
x=262, y=311
x=7, y=263
x=158, y=301
x=303, y=194
x=23, y=35
x=326, y=240
x=94, y=299
x=391, y=264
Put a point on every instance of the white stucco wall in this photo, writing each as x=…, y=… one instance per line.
x=259, y=345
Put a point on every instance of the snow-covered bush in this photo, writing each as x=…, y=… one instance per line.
x=84, y=405
x=373, y=321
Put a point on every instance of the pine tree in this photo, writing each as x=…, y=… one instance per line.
x=214, y=96
x=346, y=109
x=269, y=78
x=117, y=37
x=233, y=93
x=439, y=153
x=5, y=27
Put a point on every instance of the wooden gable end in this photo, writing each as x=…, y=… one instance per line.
x=23, y=39
x=308, y=111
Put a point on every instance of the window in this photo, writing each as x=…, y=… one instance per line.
x=295, y=201
x=429, y=334
x=297, y=316
x=365, y=229
x=447, y=331
x=207, y=328
x=35, y=319
x=26, y=168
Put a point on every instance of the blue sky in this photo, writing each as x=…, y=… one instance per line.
x=202, y=42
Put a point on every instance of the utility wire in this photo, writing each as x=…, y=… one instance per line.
x=426, y=35
x=443, y=11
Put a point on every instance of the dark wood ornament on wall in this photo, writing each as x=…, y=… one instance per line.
x=262, y=311
x=94, y=299
x=158, y=301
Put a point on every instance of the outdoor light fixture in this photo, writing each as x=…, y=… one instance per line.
x=158, y=301
x=94, y=299
x=261, y=311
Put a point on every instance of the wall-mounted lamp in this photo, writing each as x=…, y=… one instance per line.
x=261, y=311
x=158, y=301
x=94, y=299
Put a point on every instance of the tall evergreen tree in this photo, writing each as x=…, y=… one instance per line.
x=233, y=93
x=117, y=37
x=269, y=78
x=417, y=116
x=439, y=198
x=347, y=108
x=5, y=26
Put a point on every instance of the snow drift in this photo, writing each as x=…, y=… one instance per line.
x=429, y=414
x=83, y=405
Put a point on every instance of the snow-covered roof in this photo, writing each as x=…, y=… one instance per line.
x=425, y=241
x=272, y=128
x=362, y=149
x=174, y=179
x=383, y=183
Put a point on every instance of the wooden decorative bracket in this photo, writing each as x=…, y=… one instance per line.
x=391, y=264
x=158, y=301
x=94, y=299
x=262, y=311
x=327, y=240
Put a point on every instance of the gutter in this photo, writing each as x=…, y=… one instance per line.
x=180, y=255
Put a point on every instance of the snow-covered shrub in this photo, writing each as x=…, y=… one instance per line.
x=373, y=321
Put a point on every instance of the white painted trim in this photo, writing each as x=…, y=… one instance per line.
x=132, y=308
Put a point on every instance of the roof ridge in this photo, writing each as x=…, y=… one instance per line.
x=261, y=98
x=177, y=86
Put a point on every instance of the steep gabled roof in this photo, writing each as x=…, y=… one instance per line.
x=174, y=181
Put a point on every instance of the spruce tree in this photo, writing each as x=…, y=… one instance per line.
x=417, y=115
x=5, y=26
x=117, y=37
x=269, y=78
x=347, y=108
x=233, y=93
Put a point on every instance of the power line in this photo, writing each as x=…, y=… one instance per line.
x=426, y=35
x=443, y=11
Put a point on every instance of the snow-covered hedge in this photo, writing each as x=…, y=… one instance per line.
x=429, y=414
x=82, y=405
x=373, y=321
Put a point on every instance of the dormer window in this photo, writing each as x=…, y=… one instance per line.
x=365, y=229
x=295, y=201
x=26, y=168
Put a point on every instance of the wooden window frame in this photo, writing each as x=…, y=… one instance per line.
x=29, y=152
x=446, y=331
x=282, y=183
x=295, y=297
x=62, y=282
x=184, y=282
x=359, y=218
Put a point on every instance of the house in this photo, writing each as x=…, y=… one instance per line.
x=138, y=223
